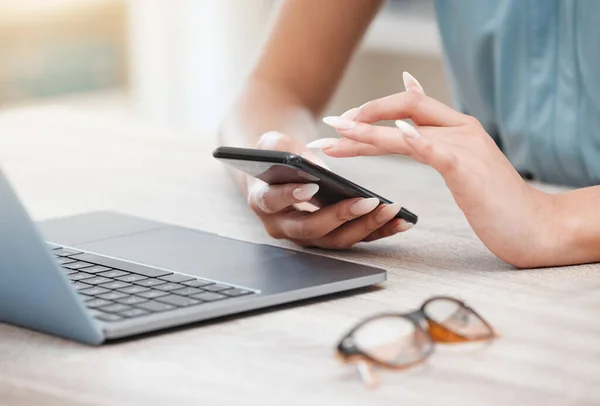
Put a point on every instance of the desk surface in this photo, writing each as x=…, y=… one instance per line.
x=66, y=161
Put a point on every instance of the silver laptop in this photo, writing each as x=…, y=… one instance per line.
x=104, y=276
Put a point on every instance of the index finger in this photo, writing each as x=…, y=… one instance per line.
x=421, y=109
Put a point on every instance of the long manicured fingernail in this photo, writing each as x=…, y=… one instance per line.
x=322, y=143
x=310, y=156
x=257, y=193
x=305, y=192
x=388, y=213
x=350, y=114
x=364, y=206
x=269, y=140
x=407, y=129
x=411, y=84
x=403, y=226
x=339, y=122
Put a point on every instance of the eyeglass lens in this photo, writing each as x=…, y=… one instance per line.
x=393, y=340
x=458, y=319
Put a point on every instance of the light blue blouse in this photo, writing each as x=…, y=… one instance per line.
x=529, y=70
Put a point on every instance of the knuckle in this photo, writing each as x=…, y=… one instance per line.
x=306, y=230
x=273, y=231
x=472, y=121
x=427, y=150
x=448, y=163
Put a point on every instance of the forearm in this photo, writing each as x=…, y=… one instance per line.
x=264, y=107
x=574, y=228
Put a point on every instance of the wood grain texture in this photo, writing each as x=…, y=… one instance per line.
x=65, y=161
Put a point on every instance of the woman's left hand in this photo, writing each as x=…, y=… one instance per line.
x=514, y=220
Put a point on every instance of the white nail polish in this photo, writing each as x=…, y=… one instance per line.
x=388, y=213
x=411, y=84
x=339, y=122
x=407, y=129
x=350, y=114
x=305, y=192
x=257, y=193
x=403, y=226
x=322, y=143
x=364, y=206
x=269, y=140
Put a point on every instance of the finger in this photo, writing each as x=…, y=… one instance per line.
x=426, y=149
x=264, y=198
x=421, y=109
x=312, y=226
x=387, y=138
x=345, y=148
x=357, y=230
x=392, y=227
x=276, y=141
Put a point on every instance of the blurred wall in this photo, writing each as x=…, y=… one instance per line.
x=51, y=48
x=190, y=57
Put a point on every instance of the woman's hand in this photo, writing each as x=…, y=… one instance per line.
x=337, y=226
x=511, y=218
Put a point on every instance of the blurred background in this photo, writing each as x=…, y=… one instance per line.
x=179, y=63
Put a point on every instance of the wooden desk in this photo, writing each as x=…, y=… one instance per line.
x=65, y=161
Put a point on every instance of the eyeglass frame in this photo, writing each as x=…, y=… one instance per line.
x=348, y=352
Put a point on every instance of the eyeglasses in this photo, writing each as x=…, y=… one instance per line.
x=401, y=340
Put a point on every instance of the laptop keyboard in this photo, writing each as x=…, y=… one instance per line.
x=115, y=290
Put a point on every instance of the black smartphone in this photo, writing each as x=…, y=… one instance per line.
x=277, y=167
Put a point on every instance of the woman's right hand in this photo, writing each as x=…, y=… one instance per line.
x=337, y=226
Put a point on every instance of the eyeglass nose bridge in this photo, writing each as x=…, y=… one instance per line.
x=418, y=317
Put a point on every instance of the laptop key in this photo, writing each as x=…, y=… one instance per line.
x=131, y=278
x=209, y=296
x=78, y=265
x=179, y=301
x=149, y=282
x=65, y=252
x=133, y=290
x=97, y=269
x=132, y=300
x=113, y=273
x=237, y=292
x=115, y=308
x=81, y=285
x=108, y=317
x=97, y=280
x=77, y=276
x=97, y=303
x=112, y=296
x=69, y=271
x=127, y=266
x=167, y=287
x=155, y=306
x=187, y=291
x=197, y=283
x=65, y=260
x=153, y=294
x=133, y=313
x=177, y=277
x=115, y=285
x=217, y=287
x=86, y=298
x=94, y=291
